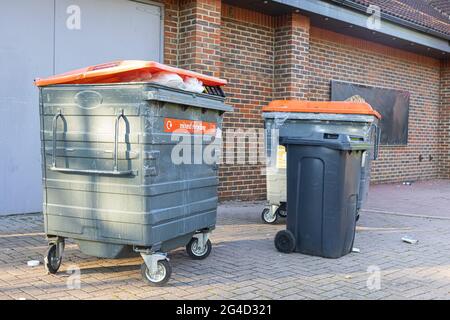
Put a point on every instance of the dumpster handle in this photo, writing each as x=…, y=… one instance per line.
x=114, y=172
x=54, y=125
x=116, y=139
x=376, y=147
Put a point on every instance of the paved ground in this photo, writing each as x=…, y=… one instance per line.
x=245, y=265
x=427, y=198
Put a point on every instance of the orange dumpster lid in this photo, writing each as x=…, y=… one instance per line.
x=122, y=71
x=340, y=107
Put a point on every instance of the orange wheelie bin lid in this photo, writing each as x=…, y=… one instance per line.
x=123, y=71
x=339, y=107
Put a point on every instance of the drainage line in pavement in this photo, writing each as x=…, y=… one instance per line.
x=405, y=214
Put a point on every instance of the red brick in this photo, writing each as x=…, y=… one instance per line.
x=266, y=57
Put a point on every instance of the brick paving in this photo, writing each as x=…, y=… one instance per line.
x=244, y=263
x=426, y=198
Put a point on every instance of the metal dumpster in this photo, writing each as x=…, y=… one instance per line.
x=109, y=179
x=323, y=188
x=301, y=118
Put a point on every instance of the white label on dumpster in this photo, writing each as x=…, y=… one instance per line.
x=190, y=126
x=281, y=157
x=363, y=159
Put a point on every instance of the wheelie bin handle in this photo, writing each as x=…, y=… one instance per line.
x=114, y=172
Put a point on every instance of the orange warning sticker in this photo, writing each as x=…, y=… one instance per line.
x=191, y=126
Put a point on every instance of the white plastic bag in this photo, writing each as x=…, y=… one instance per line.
x=141, y=77
x=173, y=80
x=169, y=79
x=193, y=85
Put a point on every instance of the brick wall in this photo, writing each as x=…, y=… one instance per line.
x=247, y=58
x=338, y=57
x=444, y=124
x=171, y=24
x=265, y=58
x=199, y=36
x=291, y=50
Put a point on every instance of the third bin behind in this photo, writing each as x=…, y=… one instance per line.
x=294, y=118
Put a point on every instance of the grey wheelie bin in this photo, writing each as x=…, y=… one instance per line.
x=323, y=182
x=110, y=180
x=301, y=118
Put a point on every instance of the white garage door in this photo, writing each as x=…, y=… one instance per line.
x=91, y=32
x=40, y=38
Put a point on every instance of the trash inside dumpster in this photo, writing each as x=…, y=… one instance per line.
x=109, y=176
x=323, y=181
x=295, y=118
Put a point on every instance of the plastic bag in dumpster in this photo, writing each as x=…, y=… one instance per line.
x=144, y=76
x=168, y=79
x=173, y=80
x=193, y=85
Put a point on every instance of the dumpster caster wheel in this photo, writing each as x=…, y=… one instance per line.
x=281, y=211
x=158, y=278
x=268, y=217
x=52, y=260
x=196, y=252
x=285, y=241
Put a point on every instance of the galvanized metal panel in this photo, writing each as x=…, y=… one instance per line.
x=162, y=203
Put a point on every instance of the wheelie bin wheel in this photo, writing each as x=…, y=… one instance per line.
x=196, y=252
x=285, y=241
x=268, y=217
x=52, y=261
x=160, y=277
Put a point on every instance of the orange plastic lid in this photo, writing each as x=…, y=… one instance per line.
x=122, y=71
x=339, y=107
